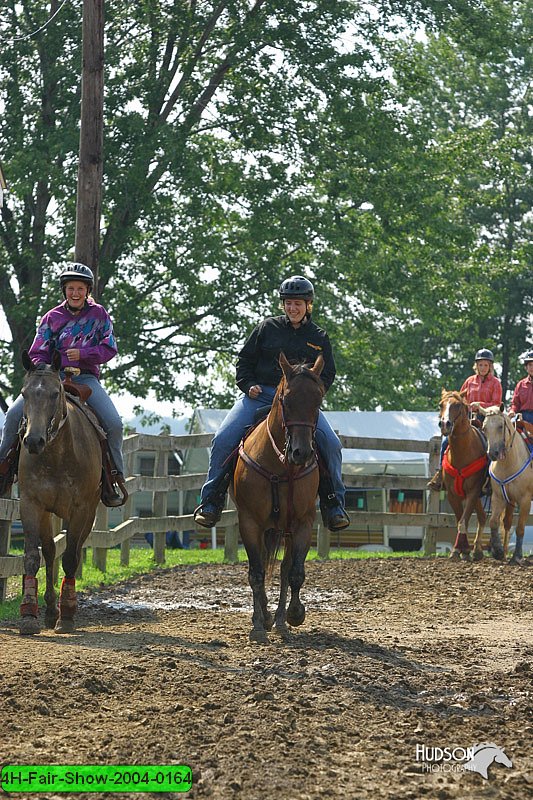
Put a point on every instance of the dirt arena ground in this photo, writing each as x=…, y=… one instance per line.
x=395, y=656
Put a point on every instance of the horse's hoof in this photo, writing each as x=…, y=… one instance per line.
x=497, y=554
x=50, y=618
x=281, y=628
x=296, y=617
x=260, y=637
x=477, y=555
x=516, y=562
x=455, y=555
x=64, y=626
x=467, y=556
x=29, y=626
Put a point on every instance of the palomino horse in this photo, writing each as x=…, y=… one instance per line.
x=275, y=489
x=511, y=473
x=60, y=469
x=464, y=471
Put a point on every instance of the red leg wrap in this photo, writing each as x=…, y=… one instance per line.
x=67, y=598
x=29, y=606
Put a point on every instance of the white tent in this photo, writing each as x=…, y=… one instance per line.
x=401, y=425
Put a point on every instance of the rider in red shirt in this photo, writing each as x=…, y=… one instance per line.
x=522, y=401
x=482, y=389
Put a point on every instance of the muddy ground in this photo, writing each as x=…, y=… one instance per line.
x=394, y=654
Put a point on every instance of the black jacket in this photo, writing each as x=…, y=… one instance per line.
x=258, y=359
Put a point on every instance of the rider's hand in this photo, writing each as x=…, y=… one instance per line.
x=254, y=391
x=474, y=406
x=73, y=354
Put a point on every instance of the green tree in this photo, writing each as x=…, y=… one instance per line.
x=220, y=120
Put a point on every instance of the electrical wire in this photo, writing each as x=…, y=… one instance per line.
x=48, y=21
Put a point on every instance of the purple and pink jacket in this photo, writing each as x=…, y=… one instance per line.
x=486, y=391
x=90, y=331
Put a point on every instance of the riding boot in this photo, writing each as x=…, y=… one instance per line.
x=334, y=516
x=208, y=513
x=8, y=469
x=435, y=484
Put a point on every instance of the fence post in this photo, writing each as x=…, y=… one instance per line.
x=101, y=524
x=57, y=525
x=231, y=544
x=160, y=506
x=323, y=541
x=126, y=514
x=430, y=532
x=5, y=544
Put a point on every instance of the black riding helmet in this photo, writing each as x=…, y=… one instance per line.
x=297, y=286
x=76, y=272
x=484, y=355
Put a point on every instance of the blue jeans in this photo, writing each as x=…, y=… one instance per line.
x=242, y=415
x=99, y=401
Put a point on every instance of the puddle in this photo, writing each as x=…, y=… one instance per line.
x=212, y=599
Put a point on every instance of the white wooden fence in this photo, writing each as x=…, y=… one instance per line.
x=102, y=538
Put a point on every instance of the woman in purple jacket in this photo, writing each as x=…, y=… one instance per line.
x=82, y=331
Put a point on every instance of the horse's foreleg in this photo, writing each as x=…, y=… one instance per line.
x=300, y=548
x=78, y=529
x=525, y=505
x=481, y=519
x=280, y=617
x=256, y=579
x=33, y=522
x=507, y=522
x=461, y=545
x=498, y=506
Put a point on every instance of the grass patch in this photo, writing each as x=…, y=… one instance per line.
x=142, y=562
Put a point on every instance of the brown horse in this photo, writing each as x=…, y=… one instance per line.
x=511, y=475
x=464, y=471
x=59, y=473
x=275, y=489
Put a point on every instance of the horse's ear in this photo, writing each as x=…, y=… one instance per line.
x=27, y=363
x=284, y=364
x=463, y=394
x=56, y=360
x=318, y=366
x=443, y=392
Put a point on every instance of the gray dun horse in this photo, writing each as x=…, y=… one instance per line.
x=59, y=473
x=511, y=473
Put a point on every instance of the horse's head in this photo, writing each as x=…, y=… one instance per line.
x=453, y=409
x=300, y=395
x=44, y=403
x=499, y=430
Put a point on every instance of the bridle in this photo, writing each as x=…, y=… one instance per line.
x=454, y=420
x=287, y=425
x=54, y=426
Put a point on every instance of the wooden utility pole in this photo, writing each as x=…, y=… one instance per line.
x=90, y=170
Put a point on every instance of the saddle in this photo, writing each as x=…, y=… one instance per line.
x=526, y=430
x=78, y=394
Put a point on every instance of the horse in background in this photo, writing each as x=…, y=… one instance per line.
x=464, y=471
x=511, y=473
x=275, y=488
x=60, y=469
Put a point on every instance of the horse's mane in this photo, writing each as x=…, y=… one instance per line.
x=452, y=393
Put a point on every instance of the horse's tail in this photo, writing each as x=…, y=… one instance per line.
x=272, y=543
